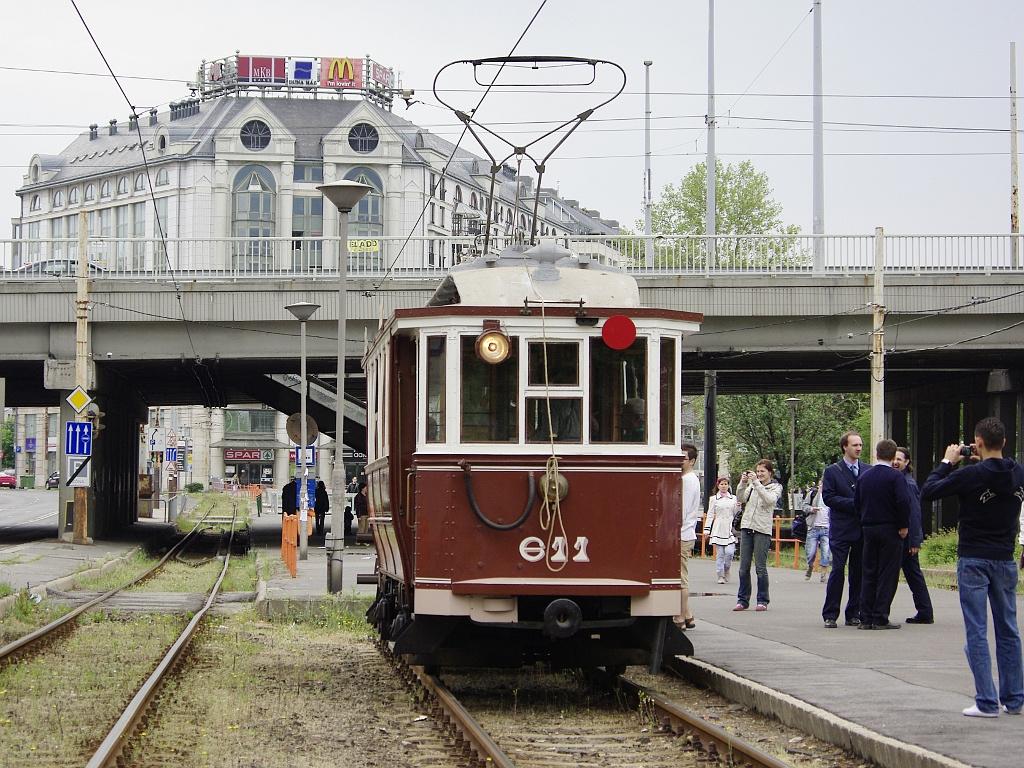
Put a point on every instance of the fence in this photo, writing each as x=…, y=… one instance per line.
x=415, y=257
x=777, y=542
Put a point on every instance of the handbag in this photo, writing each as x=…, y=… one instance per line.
x=800, y=526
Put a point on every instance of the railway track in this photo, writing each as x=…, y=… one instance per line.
x=621, y=723
x=108, y=750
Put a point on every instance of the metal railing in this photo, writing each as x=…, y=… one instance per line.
x=417, y=257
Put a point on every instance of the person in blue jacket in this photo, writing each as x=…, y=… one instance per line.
x=838, y=487
x=912, y=545
x=990, y=490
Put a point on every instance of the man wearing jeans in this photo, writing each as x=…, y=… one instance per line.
x=817, y=516
x=990, y=491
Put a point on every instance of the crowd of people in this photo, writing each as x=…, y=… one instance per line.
x=864, y=527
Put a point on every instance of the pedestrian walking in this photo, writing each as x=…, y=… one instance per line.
x=816, y=514
x=722, y=508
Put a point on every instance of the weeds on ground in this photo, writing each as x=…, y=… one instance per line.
x=939, y=549
x=5, y=589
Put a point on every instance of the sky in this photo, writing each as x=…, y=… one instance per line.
x=916, y=94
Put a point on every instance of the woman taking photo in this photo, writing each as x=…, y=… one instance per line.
x=722, y=508
x=757, y=493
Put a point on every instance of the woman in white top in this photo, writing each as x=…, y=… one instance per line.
x=722, y=508
x=758, y=493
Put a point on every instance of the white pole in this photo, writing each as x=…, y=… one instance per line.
x=648, y=248
x=1014, y=180
x=818, y=140
x=710, y=223
x=303, y=495
x=877, y=344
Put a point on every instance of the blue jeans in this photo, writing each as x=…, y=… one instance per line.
x=723, y=557
x=817, y=543
x=982, y=582
x=753, y=545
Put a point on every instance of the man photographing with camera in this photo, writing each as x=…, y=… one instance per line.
x=991, y=490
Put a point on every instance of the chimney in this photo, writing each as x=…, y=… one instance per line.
x=152, y=117
x=133, y=122
x=113, y=127
x=94, y=132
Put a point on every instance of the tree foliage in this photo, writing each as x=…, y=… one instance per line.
x=753, y=427
x=7, y=443
x=744, y=206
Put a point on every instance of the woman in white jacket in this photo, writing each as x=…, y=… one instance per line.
x=758, y=495
x=722, y=509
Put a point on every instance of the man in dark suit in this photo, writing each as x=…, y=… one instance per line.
x=883, y=501
x=837, y=489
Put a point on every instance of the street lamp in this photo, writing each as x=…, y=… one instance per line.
x=302, y=311
x=792, y=402
x=345, y=195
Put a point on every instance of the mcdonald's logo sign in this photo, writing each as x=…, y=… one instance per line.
x=341, y=73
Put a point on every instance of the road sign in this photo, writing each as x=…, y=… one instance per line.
x=78, y=399
x=78, y=438
x=78, y=471
x=310, y=456
x=170, y=454
x=157, y=439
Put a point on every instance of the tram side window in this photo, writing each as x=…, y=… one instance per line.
x=618, y=385
x=669, y=398
x=435, y=389
x=490, y=395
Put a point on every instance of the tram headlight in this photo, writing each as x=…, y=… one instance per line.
x=492, y=346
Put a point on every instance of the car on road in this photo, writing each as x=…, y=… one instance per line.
x=8, y=479
x=53, y=481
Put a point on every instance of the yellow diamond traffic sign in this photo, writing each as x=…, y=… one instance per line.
x=78, y=399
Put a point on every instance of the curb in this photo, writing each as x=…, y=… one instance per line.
x=884, y=751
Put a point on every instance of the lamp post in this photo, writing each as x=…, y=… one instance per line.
x=302, y=311
x=792, y=402
x=344, y=195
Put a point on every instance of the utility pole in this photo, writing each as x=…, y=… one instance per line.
x=710, y=226
x=818, y=140
x=648, y=246
x=80, y=528
x=1015, y=248
x=877, y=343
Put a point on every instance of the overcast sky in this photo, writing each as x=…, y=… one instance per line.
x=916, y=108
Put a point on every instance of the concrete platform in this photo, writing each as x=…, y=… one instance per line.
x=864, y=690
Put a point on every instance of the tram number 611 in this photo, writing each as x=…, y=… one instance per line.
x=532, y=549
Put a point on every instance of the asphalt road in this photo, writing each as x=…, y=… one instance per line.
x=27, y=515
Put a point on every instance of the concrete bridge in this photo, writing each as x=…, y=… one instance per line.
x=781, y=315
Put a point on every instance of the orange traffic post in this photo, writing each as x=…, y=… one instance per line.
x=290, y=542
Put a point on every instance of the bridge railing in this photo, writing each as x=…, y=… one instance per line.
x=246, y=258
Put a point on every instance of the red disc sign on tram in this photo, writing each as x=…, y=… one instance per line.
x=618, y=332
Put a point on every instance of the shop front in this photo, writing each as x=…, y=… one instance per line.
x=249, y=466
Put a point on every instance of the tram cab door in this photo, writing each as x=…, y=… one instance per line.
x=403, y=435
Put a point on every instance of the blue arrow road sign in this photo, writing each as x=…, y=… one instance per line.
x=170, y=454
x=78, y=438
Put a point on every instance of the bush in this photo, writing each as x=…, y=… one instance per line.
x=193, y=488
x=939, y=548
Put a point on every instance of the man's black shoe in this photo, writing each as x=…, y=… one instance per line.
x=830, y=624
x=864, y=626
x=890, y=625
x=919, y=620
x=853, y=622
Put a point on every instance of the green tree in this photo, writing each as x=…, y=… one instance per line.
x=7, y=443
x=753, y=427
x=744, y=206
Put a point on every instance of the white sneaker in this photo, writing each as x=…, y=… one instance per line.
x=1010, y=711
x=721, y=579
x=973, y=711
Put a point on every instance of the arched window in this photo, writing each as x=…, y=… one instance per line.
x=105, y=189
x=366, y=221
x=522, y=221
x=161, y=143
x=140, y=182
x=90, y=192
x=35, y=173
x=73, y=196
x=508, y=216
x=458, y=194
x=58, y=198
x=252, y=217
x=36, y=204
x=162, y=177
x=472, y=201
x=122, y=185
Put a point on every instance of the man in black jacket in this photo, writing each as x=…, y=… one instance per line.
x=990, y=491
x=837, y=489
x=884, y=503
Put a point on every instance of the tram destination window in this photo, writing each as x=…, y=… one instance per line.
x=490, y=395
x=563, y=360
x=618, y=388
x=435, y=389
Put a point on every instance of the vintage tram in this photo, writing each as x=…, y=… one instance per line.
x=524, y=467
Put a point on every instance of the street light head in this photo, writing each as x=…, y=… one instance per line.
x=345, y=194
x=792, y=401
x=303, y=310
